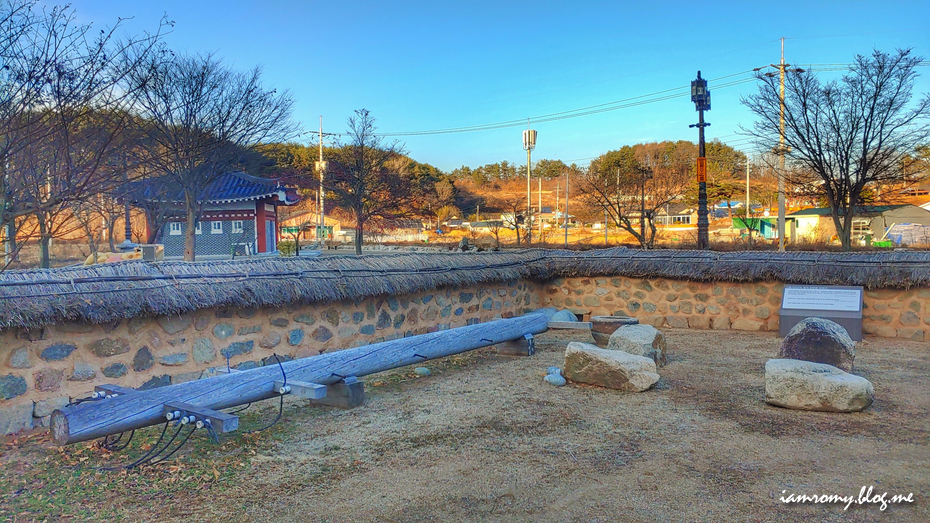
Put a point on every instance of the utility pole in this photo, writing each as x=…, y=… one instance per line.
x=781, y=150
x=605, y=226
x=701, y=98
x=529, y=143
x=566, y=209
x=747, y=188
x=321, y=166
x=558, y=189
x=540, y=209
x=746, y=221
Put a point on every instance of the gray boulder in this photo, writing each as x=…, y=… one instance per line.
x=640, y=340
x=804, y=385
x=563, y=315
x=821, y=341
x=586, y=363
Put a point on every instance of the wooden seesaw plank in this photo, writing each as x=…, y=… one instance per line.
x=91, y=420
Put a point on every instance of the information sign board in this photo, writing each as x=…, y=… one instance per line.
x=822, y=298
x=840, y=304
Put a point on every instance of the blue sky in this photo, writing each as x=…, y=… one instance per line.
x=427, y=65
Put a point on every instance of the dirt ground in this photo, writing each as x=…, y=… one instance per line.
x=484, y=438
x=489, y=440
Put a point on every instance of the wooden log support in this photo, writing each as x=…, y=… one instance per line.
x=220, y=421
x=346, y=394
x=525, y=346
x=302, y=389
x=583, y=325
x=94, y=419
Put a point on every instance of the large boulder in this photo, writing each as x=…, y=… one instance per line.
x=586, y=363
x=805, y=385
x=821, y=341
x=640, y=340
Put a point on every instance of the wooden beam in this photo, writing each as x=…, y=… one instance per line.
x=301, y=389
x=582, y=325
x=221, y=421
x=95, y=419
x=346, y=394
x=525, y=346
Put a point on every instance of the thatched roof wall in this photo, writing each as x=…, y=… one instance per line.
x=107, y=292
x=871, y=270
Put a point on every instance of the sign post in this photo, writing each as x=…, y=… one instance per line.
x=700, y=95
x=835, y=303
x=702, y=170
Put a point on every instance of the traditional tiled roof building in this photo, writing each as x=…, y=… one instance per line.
x=239, y=216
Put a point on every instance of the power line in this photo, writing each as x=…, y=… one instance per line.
x=634, y=101
x=626, y=103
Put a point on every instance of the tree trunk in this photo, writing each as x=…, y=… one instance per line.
x=359, y=231
x=44, y=243
x=92, y=242
x=10, y=247
x=111, y=228
x=189, y=233
x=150, y=230
x=653, y=230
x=844, y=228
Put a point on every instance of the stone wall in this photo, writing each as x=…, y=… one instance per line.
x=722, y=305
x=44, y=368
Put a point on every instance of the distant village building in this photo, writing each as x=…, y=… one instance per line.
x=306, y=225
x=676, y=216
x=240, y=216
x=870, y=220
x=402, y=230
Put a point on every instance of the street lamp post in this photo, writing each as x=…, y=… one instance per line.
x=529, y=143
x=127, y=244
x=700, y=95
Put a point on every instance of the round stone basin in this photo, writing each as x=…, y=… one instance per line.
x=603, y=326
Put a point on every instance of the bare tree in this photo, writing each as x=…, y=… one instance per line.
x=512, y=218
x=201, y=119
x=494, y=227
x=634, y=183
x=369, y=177
x=62, y=110
x=853, y=134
